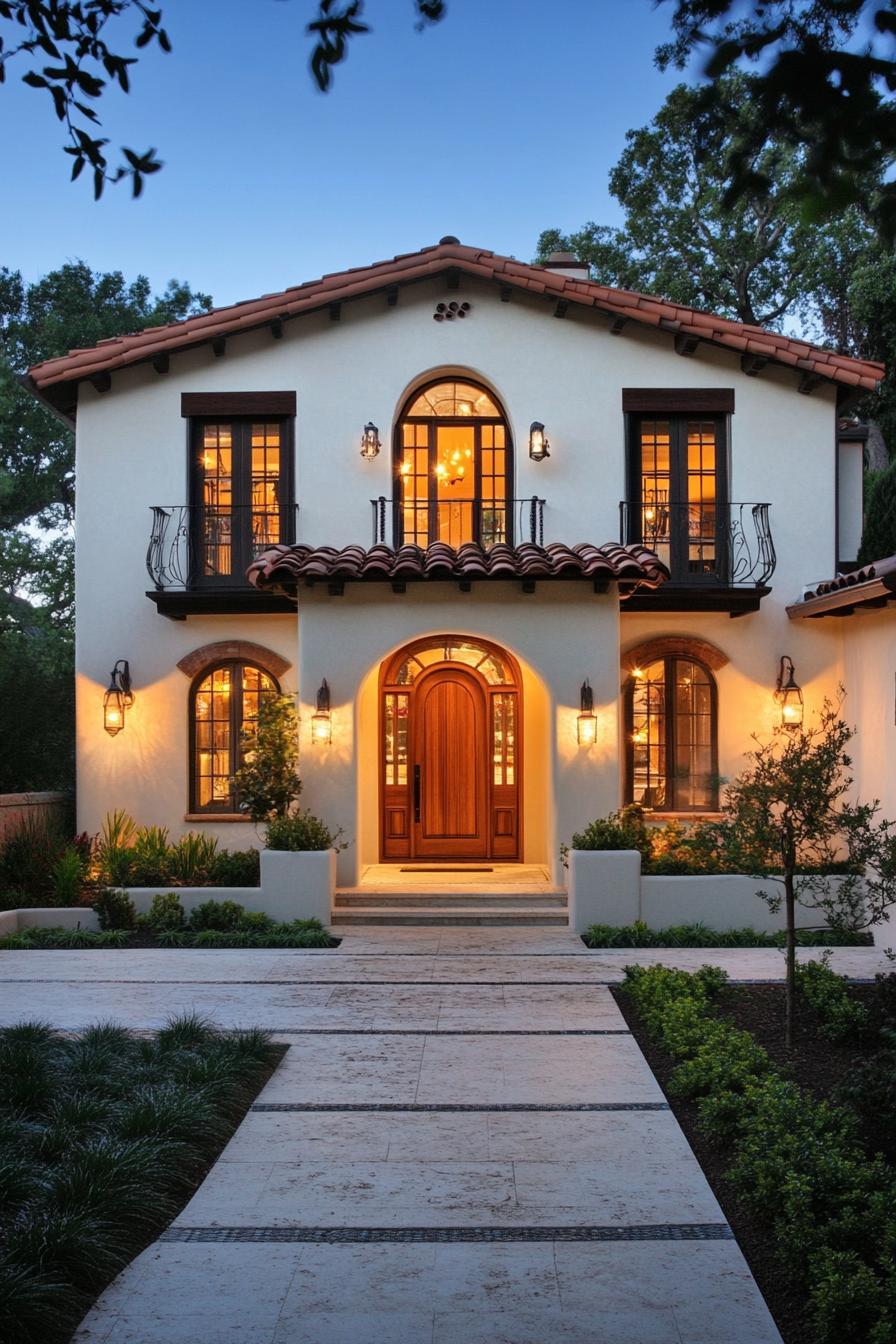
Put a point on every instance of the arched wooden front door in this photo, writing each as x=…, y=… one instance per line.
x=450, y=753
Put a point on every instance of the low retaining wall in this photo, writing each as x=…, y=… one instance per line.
x=48, y=917
x=606, y=887
x=16, y=807
x=293, y=886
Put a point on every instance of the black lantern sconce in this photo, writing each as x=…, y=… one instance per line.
x=370, y=442
x=789, y=696
x=118, y=698
x=539, y=447
x=586, y=726
x=321, y=725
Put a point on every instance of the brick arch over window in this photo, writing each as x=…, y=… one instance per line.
x=674, y=646
x=233, y=650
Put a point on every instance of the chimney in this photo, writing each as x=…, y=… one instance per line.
x=567, y=263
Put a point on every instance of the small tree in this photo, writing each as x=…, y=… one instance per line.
x=789, y=820
x=267, y=781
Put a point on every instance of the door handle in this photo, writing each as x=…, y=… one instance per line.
x=416, y=793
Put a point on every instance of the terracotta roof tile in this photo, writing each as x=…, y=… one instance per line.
x=291, y=566
x=57, y=379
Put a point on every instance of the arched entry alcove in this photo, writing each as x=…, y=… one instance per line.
x=450, y=751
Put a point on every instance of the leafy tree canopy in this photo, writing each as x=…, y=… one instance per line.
x=749, y=260
x=66, y=52
x=826, y=75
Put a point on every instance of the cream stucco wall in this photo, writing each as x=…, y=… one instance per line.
x=132, y=453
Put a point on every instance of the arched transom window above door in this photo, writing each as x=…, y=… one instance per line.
x=453, y=467
x=487, y=662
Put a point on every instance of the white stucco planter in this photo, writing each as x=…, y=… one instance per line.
x=721, y=901
x=604, y=887
x=298, y=884
x=48, y=917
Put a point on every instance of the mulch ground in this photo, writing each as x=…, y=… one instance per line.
x=815, y=1064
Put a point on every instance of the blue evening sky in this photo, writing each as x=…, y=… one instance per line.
x=500, y=121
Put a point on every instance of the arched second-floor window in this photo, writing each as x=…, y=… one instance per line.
x=224, y=703
x=453, y=467
x=672, y=736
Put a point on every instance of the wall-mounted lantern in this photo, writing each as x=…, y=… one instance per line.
x=321, y=725
x=539, y=447
x=370, y=442
x=788, y=695
x=587, y=722
x=118, y=698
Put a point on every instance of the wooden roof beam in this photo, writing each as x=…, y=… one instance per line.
x=685, y=344
x=161, y=362
x=219, y=346
x=752, y=365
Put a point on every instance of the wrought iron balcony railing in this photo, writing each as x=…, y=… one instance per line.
x=704, y=542
x=194, y=546
x=487, y=521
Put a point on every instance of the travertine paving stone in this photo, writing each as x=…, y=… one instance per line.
x=433, y=1021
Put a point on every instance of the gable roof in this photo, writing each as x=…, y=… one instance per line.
x=55, y=380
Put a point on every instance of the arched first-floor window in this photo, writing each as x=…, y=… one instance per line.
x=671, y=736
x=223, y=707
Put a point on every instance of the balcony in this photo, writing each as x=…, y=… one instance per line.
x=197, y=557
x=720, y=556
x=489, y=522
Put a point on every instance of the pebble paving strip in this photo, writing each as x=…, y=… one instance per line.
x=640, y=1232
x=377, y=1106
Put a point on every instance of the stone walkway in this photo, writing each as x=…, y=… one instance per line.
x=463, y=1145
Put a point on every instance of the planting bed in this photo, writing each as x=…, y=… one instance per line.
x=104, y=1136
x=816, y=1063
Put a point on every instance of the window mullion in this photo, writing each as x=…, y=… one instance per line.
x=236, y=724
x=671, y=729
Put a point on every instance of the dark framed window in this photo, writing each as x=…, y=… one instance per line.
x=678, y=491
x=224, y=701
x=453, y=467
x=241, y=493
x=671, y=732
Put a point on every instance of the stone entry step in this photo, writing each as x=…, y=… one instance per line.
x=348, y=897
x=453, y=912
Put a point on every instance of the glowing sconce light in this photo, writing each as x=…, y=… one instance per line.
x=370, y=442
x=539, y=447
x=118, y=698
x=321, y=726
x=789, y=696
x=587, y=722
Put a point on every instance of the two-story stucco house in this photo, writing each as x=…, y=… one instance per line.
x=522, y=546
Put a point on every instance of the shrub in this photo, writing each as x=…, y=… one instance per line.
x=115, y=910
x=112, y=852
x=27, y=858
x=879, y=533
x=795, y=1162
x=165, y=912
x=301, y=831
x=192, y=857
x=884, y=1004
x=869, y=1089
x=67, y=877
x=236, y=868
x=216, y=916
x=150, y=857
x=839, y=1014
x=698, y=935
x=620, y=830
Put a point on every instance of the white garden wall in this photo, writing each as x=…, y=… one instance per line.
x=607, y=887
x=296, y=885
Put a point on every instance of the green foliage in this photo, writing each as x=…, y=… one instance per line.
x=267, y=781
x=192, y=859
x=165, y=912
x=148, y=858
x=620, y=830
x=115, y=909
x=37, y=739
x=112, y=851
x=869, y=1089
x=879, y=534
x=254, y=930
x=220, y=916
x=681, y=238
x=839, y=1015
x=28, y=858
x=301, y=831
x=796, y=1163
x=67, y=877
x=236, y=868
x=100, y=1138
x=824, y=88
x=699, y=935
